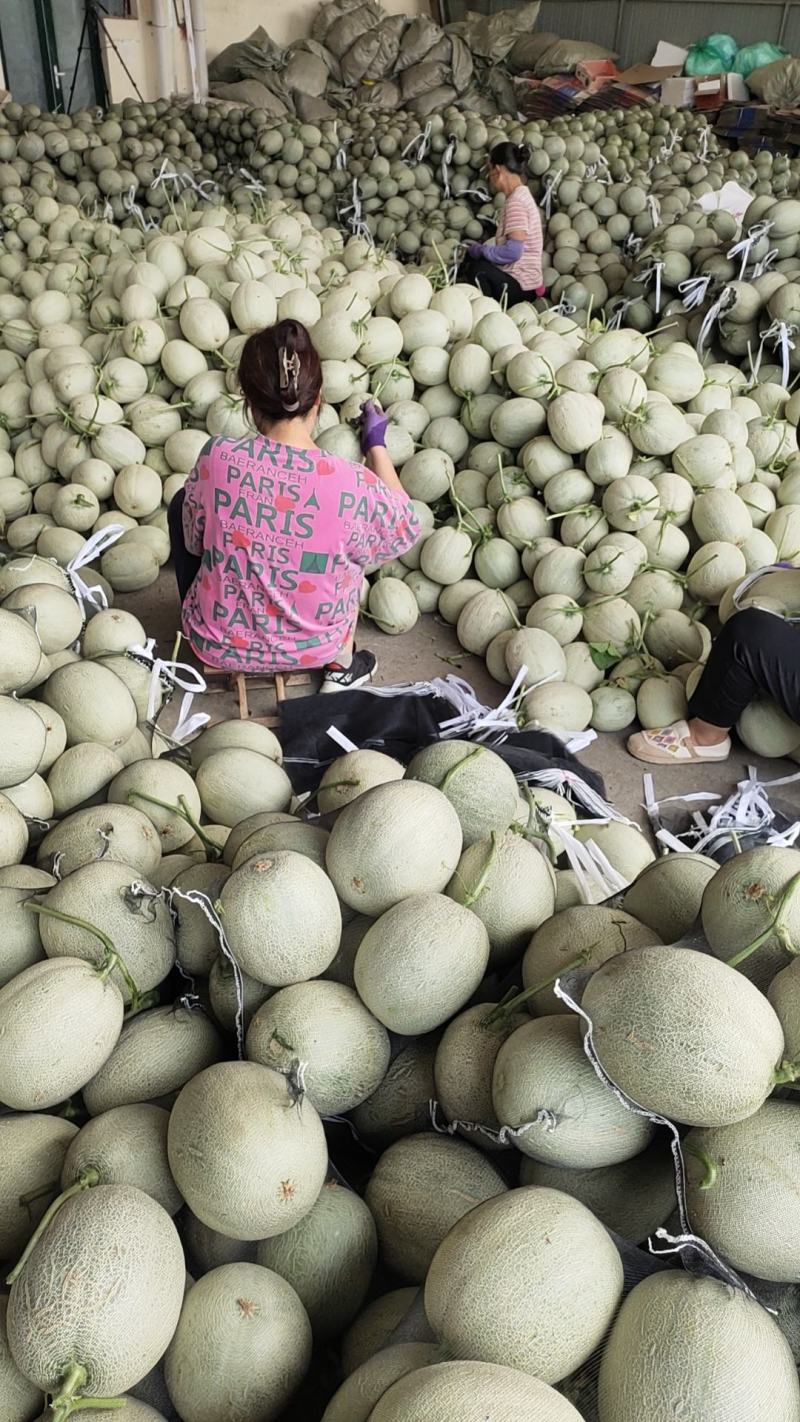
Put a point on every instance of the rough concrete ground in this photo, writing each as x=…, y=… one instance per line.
x=431, y=650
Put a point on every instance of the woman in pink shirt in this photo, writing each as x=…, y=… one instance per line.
x=512, y=264
x=271, y=535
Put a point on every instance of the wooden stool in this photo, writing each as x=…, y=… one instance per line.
x=257, y=681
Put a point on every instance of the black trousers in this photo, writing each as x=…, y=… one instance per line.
x=755, y=652
x=493, y=281
x=186, y=564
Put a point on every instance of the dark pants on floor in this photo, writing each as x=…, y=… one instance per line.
x=493, y=281
x=186, y=564
x=755, y=653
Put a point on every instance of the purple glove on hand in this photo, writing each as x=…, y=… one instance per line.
x=475, y=250
x=374, y=424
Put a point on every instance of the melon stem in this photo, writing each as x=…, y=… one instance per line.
x=68, y=1400
x=707, y=1161
x=184, y=813
x=111, y=958
x=85, y=1181
x=454, y=768
x=475, y=893
x=774, y=928
x=504, y=1010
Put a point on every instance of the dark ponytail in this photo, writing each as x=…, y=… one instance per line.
x=513, y=156
x=280, y=372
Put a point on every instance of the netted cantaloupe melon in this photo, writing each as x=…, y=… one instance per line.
x=328, y=1258
x=237, y=782
x=20, y=1399
x=32, y=1150
x=401, y=1103
x=21, y=652
x=74, y=1009
x=667, y=895
x=471, y=1392
x=137, y=922
x=374, y=1327
x=464, y=1065
x=112, y=1243
x=13, y=833
x=244, y=828
x=755, y=897
x=662, y=1014
x=125, y=1146
x=742, y=1194
x=92, y=702
x=22, y=943
x=508, y=884
x=136, y=1410
x=22, y=741
x=419, y=1189
x=228, y=735
x=196, y=939
x=653, y=1367
x=297, y=835
x=397, y=839
x=224, y=988
x=633, y=1198
x=80, y=775
x=420, y=962
x=784, y=994
x=583, y=936
x=157, y=1053
x=282, y=917
x=114, y=832
x=358, y=1394
x=343, y=1049
x=241, y=1348
x=351, y=774
x=479, y=785
x=206, y=1248
x=248, y=1158
x=160, y=789
x=530, y=1242
x=624, y=846
x=57, y=614
x=545, y=1088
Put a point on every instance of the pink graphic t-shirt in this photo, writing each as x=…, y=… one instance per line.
x=284, y=535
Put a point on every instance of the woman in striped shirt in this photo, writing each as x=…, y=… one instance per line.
x=512, y=263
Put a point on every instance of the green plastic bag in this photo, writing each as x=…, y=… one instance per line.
x=713, y=55
x=753, y=56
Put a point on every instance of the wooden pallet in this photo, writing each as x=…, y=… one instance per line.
x=256, y=681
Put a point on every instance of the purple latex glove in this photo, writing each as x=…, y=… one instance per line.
x=475, y=250
x=374, y=424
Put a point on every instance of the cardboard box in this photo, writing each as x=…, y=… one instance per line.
x=679, y=92
x=594, y=74
x=649, y=73
x=709, y=91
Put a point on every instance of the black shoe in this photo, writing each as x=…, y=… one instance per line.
x=360, y=671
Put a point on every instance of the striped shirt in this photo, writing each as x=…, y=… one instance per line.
x=521, y=214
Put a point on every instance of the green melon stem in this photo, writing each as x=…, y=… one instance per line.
x=183, y=812
x=458, y=766
x=111, y=958
x=504, y=1010
x=776, y=927
x=68, y=1399
x=85, y=1181
x=707, y=1161
x=482, y=883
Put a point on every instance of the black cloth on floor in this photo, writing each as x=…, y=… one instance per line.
x=399, y=726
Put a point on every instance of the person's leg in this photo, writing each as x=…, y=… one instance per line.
x=755, y=653
x=493, y=281
x=186, y=564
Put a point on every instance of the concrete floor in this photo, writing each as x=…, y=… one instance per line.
x=431, y=650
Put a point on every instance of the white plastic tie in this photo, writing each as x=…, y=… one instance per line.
x=92, y=549
x=694, y=291
x=447, y=161
x=203, y=902
x=654, y=209
x=548, y=193
x=781, y=334
x=341, y=739
x=746, y=244
x=723, y=303
x=646, y=276
x=175, y=674
x=419, y=144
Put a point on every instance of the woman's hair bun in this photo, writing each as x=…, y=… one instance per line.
x=523, y=152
